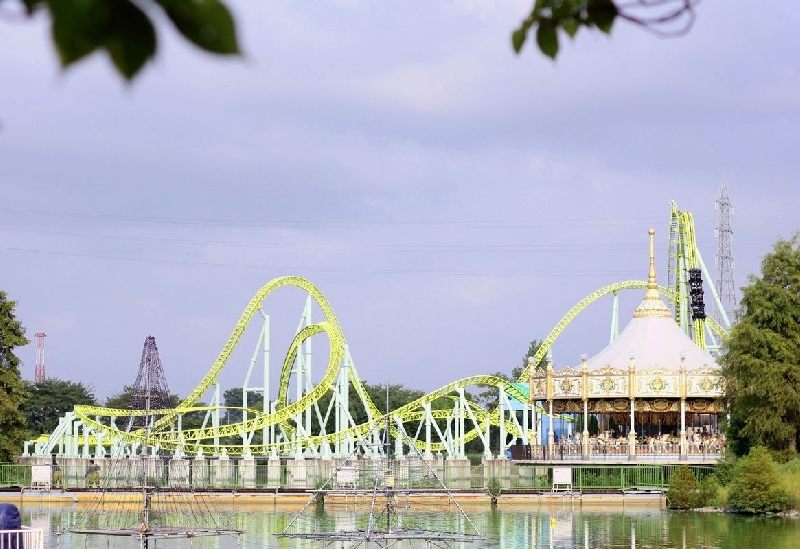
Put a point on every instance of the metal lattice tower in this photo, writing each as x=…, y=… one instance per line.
x=150, y=391
x=724, y=259
x=39, y=373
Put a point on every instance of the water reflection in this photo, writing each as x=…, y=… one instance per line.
x=537, y=528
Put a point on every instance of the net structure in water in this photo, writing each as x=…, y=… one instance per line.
x=383, y=502
x=117, y=506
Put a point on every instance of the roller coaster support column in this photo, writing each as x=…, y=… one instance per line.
x=215, y=417
x=427, y=407
x=398, y=440
x=614, y=318
x=344, y=447
x=307, y=382
x=462, y=406
x=551, y=435
x=262, y=346
x=302, y=376
x=87, y=433
x=501, y=407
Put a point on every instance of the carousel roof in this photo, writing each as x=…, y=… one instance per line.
x=652, y=339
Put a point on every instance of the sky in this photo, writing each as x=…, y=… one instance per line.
x=451, y=199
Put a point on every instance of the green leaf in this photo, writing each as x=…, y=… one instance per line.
x=32, y=5
x=602, y=14
x=547, y=39
x=117, y=26
x=570, y=26
x=206, y=23
x=518, y=38
x=77, y=28
x=130, y=37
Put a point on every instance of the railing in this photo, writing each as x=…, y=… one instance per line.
x=23, y=538
x=608, y=477
x=616, y=450
x=595, y=474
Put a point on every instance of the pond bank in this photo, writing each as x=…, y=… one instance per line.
x=472, y=499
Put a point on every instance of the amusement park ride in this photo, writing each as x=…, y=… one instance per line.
x=295, y=423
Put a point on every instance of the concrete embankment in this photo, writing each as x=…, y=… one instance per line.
x=296, y=500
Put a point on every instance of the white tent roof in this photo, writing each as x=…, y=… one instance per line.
x=653, y=342
x=653, y=339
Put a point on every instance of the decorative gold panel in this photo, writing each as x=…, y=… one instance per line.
x=567, y=407
x=703, y=385
x=567, y=387
x=608, y=386
x=657, y=385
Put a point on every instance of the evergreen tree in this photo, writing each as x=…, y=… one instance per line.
x=12, y=389
x=533, y=348
x=50, y=399
x=761, y=363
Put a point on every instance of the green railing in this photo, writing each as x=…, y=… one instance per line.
x=611, y=477
x=265, y=476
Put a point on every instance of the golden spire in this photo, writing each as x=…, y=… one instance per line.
x=651, y=276
x=652, y=306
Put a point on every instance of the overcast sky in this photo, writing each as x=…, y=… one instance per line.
x=451, y=199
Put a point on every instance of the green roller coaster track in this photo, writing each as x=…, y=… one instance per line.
x=165, y=432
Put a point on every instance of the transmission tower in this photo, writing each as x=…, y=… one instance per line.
x=150, y=391
x=724, y=259
x=39, y=374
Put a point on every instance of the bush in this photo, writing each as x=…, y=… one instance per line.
x=681, y=490
x=708, y=493
x=783, y=456
x=725, y=468
x=790, y=475
x=756, y=486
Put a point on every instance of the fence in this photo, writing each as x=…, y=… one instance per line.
x=616, y=449
x=24, y=538
x=601, y=477
x=280, y=475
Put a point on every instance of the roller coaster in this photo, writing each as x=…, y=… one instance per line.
x=309, y=419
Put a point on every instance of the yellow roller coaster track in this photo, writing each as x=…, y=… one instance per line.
x=164, y=434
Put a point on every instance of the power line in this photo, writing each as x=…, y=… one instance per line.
x=339, y=246
x=489, y=224
x=568, y=273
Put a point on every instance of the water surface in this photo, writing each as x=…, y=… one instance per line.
x=537, y=528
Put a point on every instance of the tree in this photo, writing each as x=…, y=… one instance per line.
x=761, y=362
x=50, y=399
x=234, y=398
x=547, y=17
x=12, y=388
x=533, y=348
x=124, y=29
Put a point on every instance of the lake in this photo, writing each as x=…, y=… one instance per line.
x=543, y=527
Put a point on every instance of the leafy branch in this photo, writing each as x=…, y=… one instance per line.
x=124, y=28
x=547, y=17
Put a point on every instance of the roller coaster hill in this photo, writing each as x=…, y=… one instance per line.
x=309, y=424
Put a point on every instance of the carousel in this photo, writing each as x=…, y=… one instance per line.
x=652, y=391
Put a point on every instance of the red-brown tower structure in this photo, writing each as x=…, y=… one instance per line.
x=39, y=374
